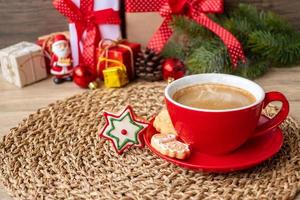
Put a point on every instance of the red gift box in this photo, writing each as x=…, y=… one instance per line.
x=124, y=51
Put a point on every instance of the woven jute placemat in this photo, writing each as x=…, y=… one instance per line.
x=56, y=154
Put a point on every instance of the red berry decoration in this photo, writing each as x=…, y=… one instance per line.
x=173, y=68
x=82, y=77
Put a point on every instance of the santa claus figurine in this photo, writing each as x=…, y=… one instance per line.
x=61, y=63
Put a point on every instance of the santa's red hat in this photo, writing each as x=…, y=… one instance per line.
x=59, y=39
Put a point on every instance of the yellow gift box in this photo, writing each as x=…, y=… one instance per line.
x=114, y=76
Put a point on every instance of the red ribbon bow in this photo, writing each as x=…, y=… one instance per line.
x=195, y=10
x=86, y=20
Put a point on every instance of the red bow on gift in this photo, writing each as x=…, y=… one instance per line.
x=195, y=10
x=86, y=20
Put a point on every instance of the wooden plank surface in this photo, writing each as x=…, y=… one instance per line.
x=27, y=19
x=16, y=104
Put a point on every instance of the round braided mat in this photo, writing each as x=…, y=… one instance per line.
x=56, y=154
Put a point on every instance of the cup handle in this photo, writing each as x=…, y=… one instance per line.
x=276, y=120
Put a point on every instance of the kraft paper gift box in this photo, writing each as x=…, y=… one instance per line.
x=23, y=64
x=141, y=26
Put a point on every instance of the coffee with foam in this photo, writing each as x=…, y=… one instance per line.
x=214, y=96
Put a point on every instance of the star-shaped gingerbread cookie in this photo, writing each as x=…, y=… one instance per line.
x=123, y=130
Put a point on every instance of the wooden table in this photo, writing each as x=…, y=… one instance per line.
x=16, y=104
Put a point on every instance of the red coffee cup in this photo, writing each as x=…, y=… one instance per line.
x=222, y=131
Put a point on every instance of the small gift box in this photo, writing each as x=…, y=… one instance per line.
x=23, y=64
x=46, y=42
x=123, y=51
x=115, y=75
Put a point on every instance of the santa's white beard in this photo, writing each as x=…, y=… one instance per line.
x=61, y=53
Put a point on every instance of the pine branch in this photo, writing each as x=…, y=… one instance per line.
x=267, y=40
x=174, y=49
x=252, y=69
x=247, y=12
x=275, y=23
x=239, y=28
x=183, y=25
x=207, y=58
x=280, y=49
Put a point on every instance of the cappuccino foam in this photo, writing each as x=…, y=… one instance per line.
x=214, y=96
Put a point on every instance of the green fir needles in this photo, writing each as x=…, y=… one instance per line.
x=267, y=40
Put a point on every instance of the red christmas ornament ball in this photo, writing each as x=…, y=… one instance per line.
x=82, y=76
x=173, y=68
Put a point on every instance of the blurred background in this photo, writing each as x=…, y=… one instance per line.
x=26, y=20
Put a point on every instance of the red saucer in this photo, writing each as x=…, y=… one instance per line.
x=248, y=155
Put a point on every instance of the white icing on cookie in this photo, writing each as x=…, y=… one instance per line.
x=167, y=144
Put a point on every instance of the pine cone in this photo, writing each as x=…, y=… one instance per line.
x=149, y=65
